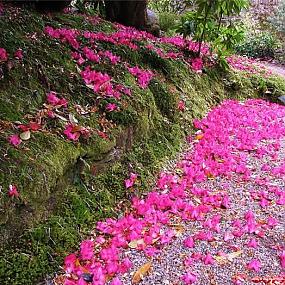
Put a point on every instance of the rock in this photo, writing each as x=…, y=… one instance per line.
x=152, y=18
x=152, y=23
x=87, y=277
x=282, y=99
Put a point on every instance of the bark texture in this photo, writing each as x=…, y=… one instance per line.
x=128, y=13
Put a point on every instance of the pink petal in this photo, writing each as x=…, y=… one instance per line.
x=189, y=242
x=13, y=192
x=209, y=260
x=228, y=236
x=189, y=278
x=14, y=140
x=282, y=259
x=254, y=265
x=18, y=54
x=86, y=249
x=253, y=243
x=272, y=222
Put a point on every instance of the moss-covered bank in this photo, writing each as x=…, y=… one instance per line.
x=66, y=187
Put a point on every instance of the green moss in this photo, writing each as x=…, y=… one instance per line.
x=269, y=87
x=165, y=100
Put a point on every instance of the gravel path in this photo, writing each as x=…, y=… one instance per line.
x=217, y=217
x=276, y=68
x=223, y=271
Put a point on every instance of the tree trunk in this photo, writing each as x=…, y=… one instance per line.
x=55, y=5
x=127, y=12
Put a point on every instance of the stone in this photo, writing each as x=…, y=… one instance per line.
x=282, y=99
x=152, y=23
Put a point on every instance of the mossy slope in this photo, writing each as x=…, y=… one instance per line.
x=66, y=187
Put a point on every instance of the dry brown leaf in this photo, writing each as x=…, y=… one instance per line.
x=60, y=117
x=197, y=200
x=72, y=119
x=141, y=273
x=77, y=128
x=78, y=69
x=229, y=257
x=134, y=244
x=210, y=175
x=179, y=229
x=25, y=135
x=90, y=86
x=199, y=137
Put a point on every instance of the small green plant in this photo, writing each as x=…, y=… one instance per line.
x=169, y=6
x=212, y=22
x=259, y=44
x=89, y=6
x=168, y=21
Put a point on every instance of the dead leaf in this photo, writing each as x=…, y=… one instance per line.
x=135, y=243
x=90, y=86
x=25, y=135
x=141, y=273
x=197, y=200
x=60, y=117
x=72, y=119
x=78, y=69
x=234, y=255
x=199, y=137
x=77, y=128
x=179, y=229
x=228, y=257
x=210, y=175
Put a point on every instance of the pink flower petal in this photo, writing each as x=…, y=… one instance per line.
x=282, y=259
x=14, y=140
x=13, y=192
x=189, y=242
x=254, y=265
x=253, y=243
x=189, y=278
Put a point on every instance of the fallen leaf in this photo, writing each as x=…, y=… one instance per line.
x=228, y=257
x=197, y=200
x=60, y=117
x=77, y=128
x=199, y=137
x=78, y=69
x=141, y=273
x=179, y=230
x=234, y=255
x=90, y=86
x=72, y=119
x=210, y=175
x=134, y=244
x=25, y=135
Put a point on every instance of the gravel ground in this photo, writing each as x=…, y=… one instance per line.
x=276, y=68
x=169, y=265
x=231, y=209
